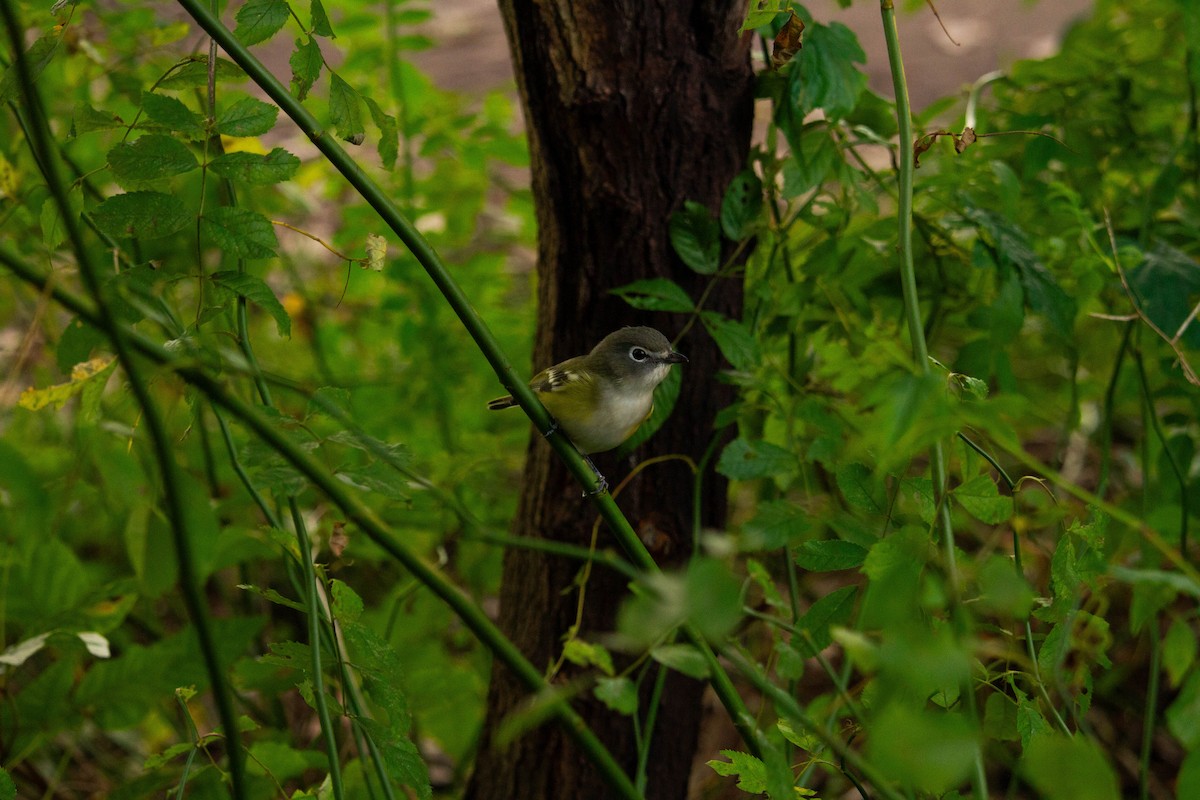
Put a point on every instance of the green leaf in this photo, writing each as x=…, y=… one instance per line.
x=39, y=54
x=1165, y=282
x=247, y=117
x=814, y=155
x=1042, y=292
x=347, y=605
x=8, y=789
x=1062, y=768
x=1183, y=715
x=825, y=76
x=345, y=110
x=588, y=654
x=1002, y=591
x=259, y=20
x=684, y=658
x=86, y=119
x=320, y=20
x=256, y=291
x=619, y=694
x=776, y=524
x=240, y=232
x=751, y=772
x=833, y=609
x=389, y=133
x=1187, y=784
x=194, y=74
x=829, y=555
x=982, y=500
x=734, y=339
x=741, y=205
x=696, y=237
x=146, y=215
x=924, y=751
x=306, y=63
x=655, y=294
x=172, y=114
x=1179, y=650
x=744, y=460
x=861, y=488
x=152, y=156
x=254, y=168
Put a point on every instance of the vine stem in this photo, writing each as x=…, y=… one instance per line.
x=457, y=299
x=912, y=311
x=173, y=501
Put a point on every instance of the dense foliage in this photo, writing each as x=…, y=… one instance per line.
x=1026, y=630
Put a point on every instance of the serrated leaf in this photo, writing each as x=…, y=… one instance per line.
x=306, y=63
x=751, y=772
x=655, y=294
x=833, y=609
x=146, y=215
x=588, y=654
x=741, y=205
x=744, y=460
x=619, y=694
x=36, y=58
x=195, y=74
x=829, y=555
x=1042, y=292
x=86, y=119
x=150, y=157
x=320, y=20
x=775, y=525
x=256, y=291
x=274, y=597
x=255, y=168
x=240, y=232
x=734, y=339
x=259, y=20
x=684, y=658
x=247, y=117
x=345, y=110
x=347, y=605
x=824, y=75
x=389, y=134
x=171, y=113
x=696, y=238
x=861, y=488
x=982, y=500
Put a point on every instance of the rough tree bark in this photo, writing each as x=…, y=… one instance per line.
x=632, y=107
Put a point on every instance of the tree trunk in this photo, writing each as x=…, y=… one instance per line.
x=632, y=107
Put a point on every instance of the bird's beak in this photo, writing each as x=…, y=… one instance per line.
x=675, y=358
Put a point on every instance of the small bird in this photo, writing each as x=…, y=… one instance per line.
x=600, y=399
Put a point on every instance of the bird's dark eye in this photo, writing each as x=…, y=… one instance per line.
x=637, y=354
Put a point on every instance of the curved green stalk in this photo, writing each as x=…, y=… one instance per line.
x=104, y=319
x=356, y=511
x=512, y=381
x=912, y=310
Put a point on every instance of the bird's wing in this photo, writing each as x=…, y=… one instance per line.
x=559, y=377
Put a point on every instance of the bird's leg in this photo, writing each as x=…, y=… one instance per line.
x=602, y=486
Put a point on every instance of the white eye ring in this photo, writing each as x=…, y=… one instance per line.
x=638, y=354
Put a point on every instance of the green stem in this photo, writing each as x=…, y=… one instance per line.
x=314, y=647
x=1150, y=715
x=512, y=381
x=103, y=318
x=912, y=310
x=356, y=512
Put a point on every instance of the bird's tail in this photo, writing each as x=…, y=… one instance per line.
x=501, y=402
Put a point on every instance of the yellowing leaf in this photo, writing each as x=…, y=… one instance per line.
x=81, y=376
x=376, y=252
